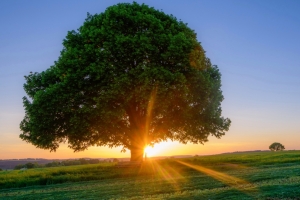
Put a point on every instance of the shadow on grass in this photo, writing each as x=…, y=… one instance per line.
x=228, y=194
x=276, y=192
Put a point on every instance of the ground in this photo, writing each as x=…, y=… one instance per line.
x=259, y=175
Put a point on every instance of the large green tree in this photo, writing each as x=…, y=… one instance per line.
x=131, y=76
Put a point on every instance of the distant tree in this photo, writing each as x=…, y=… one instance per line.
x=115, y=160
x=94, y=161
x=30, y=165
x=53, y=164
x=132, y=76
x=0, y=169
x=19, y=167
x=70, y=162
x=276, y=146
x=83, y=161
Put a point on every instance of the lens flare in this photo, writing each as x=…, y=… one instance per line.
x=232, y=181
x=149, y=113
x=165, y=171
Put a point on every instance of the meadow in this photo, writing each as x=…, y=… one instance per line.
x=252, y=175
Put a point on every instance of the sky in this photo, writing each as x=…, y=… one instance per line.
x=254, y=43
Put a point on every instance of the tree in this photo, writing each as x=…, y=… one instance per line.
x=28, y=165
x=131, y=76
x=276, y=146
x=31, y=165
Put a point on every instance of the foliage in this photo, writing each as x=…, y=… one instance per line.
x=55, y=163
x=80, y=161
x=276, y=146
x=131, y=76
x=0, y=169
x=163, y=179
x=28, y=165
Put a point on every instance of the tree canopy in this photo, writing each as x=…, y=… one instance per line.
x=131, y=76
x=276, y=146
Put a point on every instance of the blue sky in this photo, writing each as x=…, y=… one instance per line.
x=255, y=44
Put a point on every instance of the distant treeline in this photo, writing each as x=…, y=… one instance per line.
x=81, y=161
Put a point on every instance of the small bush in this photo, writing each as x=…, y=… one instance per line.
x=19, y=167
x=276, y=146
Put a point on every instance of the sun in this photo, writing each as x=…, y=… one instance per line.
x=149, y=151
x=164, y=148
x=156, y=150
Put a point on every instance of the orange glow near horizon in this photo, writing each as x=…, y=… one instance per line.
x=18, y=150
x=14, y=148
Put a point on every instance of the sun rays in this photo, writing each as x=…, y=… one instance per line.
x=173, y=171
x=232, y=181
x=164, y=171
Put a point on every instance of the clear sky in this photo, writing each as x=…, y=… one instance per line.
x=255, y=44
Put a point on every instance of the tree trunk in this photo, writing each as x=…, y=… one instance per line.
x=137, y=154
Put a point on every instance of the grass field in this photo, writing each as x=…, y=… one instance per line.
x=257, y=175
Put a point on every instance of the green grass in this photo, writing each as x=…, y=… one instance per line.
x=262, y=175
